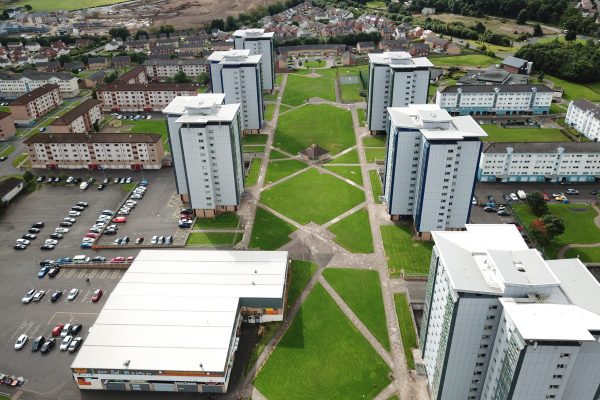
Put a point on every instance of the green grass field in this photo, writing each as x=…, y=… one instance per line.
x=374, y=141
x=151, y=126
x=328, y=126
x=497, y=133
x=351, y=92
x=556, y=108
x=354, y=232
x=376, y=4
x=361, y=291
x=4, y=109
x=278, y=79
x=350, y=157
x=403, y=253
x=254, y=171
x=7, y=150
x=348, y=172
x=375, y=185
x=47, y=5
x=312, y=196
x=254, y=148
x=322, y=356
x=280, y=169
x=213, y=238
x=269, y=110
x=300, y=88
x=276, y=155
x=313, y=63
x=362, y=116
x=470, y=60
x=575, y=91
x=302, y=271
x=375, y=154
x=250, y=140
x=270, y=96
x=269, y=232
x=19, y=159
x=222, y=221
x=579, y=224
x=585, y=254
x=407, y=327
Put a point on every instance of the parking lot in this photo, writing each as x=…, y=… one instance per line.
x=48, y=375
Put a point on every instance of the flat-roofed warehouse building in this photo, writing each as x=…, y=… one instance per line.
x=172, y=323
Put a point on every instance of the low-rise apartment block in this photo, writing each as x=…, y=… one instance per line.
x=495, y=100
x=80, y=119
x=15, y=85
x=158, y=69
x=32, y=105
x=149, y=97
x=7, y=125
x=95, y=151
x=584, y=116
x=500, y=322
x=540, y=162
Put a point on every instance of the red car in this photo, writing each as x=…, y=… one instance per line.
x=97, y=295
x=119, y=220
x=57, y=329
x=91, y=235
x=130, y=259
x=546, y=196
x=117, y=259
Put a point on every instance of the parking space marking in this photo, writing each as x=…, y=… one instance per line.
x=103, y=274
x=86, y=295
x=71, y=317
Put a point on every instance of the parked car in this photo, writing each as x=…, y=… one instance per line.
x=82, y=203
x=85, y=245
x=169, y=240
x=51, y=241
x=28, y=296
x=41, y=178
x=117, y=259
x=48, y=345
x=91, y=235
x=37, y=343
x=53, y=271
x=64, y=345
x=56, y=296
x=42, y=272
x=98, y=259
x=57, y=235
x=101, y=186
x=72, y=294
x=70, y=219
x=65, y=330
x=97, y=295
x=47, y=247
x=21, y=341
x=61, y=230
x=23, y=241
x=34, y=230
x=19, y=246
x=154, y=240
x=503, y=213
x=69, y=180
x=29, y=236
x=489, y=209
x=66, y=224
x=39, y=224
x=64, y=260
x=572, y=191
x=521, y=194
x=75, y=343
x=76, y=329
x=119, y=220
x=139, y=240
x=74, y=213
x=78, y=208
x=545, y=196
x=57, y=329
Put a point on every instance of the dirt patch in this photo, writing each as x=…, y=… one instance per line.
x=578, y=209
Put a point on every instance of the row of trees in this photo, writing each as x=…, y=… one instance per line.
x=572, y=61
x=475, y=32
x=350, y=39
x=251, y=18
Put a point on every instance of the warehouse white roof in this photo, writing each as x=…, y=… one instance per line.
x=176, y=309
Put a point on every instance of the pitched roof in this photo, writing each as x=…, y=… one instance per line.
x=587, y=105
x=34, y=94
x=4, y=114
x=76, y=112
x=93, y=138
x=97, y=60
x=514, y=62
x=9, y=184
x=314, y=152
x=151, y=86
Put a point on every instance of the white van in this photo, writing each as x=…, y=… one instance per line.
x=522, y=195
x=81, y=259
x=84, y=185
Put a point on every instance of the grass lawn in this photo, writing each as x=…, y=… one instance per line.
x=575, y=91
x=255, y=139
x=352, y=173
x=280, y=169
x=278, y=79
x=579, y=224
x=299, y=88
x=19, y=159
x=351, y=92
x=283, y=108
x=253, y=149
x=151, y=126
x=302, y=271
x=469, y=60
x=276, y=155
x=403, y=253
x=313, y=63
x=269, y=232
x=373, y=154
x=7, y=150
x=374, y=141
x=585, y=254
x=312, y=196
x=48, y=5
x=362, y=117
x=407, y=328
x=376, y=4
x=350, y=157
x=4, y=109
x=497, y=133
x=269, y=109
x=269, y=331
x=354, y=232
x=322, y=356
x=225, y=221
x=361, y=290
x=556, y=108
x=252, y=176
x=375, y=185
x=213, y=238
x=328, y=126
x=270, y=96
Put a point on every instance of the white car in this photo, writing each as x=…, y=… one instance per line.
x=64, y=345
x=70, y=179
x=51, y=241
x=38, y=296
x=61, y=230
x=69, y=219
x=23, y=241
x=20, y=343
x=514, y=197
x=148, y=116
x=74, y=213
x=87, y=240
x=65, y=330
x=154, y=240
x=28, y=296
x=72, y=294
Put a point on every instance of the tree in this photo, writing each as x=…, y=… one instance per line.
x=96, y=125
x=166, y=29
x=537, y=30
x=110, y=77
x=217, y=24
x=546, y=228
x=231, y=24
x=570, y=36
x=479, y=27
x=27, y=176
x=5, y=15
x=203, y=79
x=522, y=17
x=94, y=94
x=28, y=7
x=119, y=32
x=64, y=58
x=181, y=77
x=141, y=32
x=536, y=204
